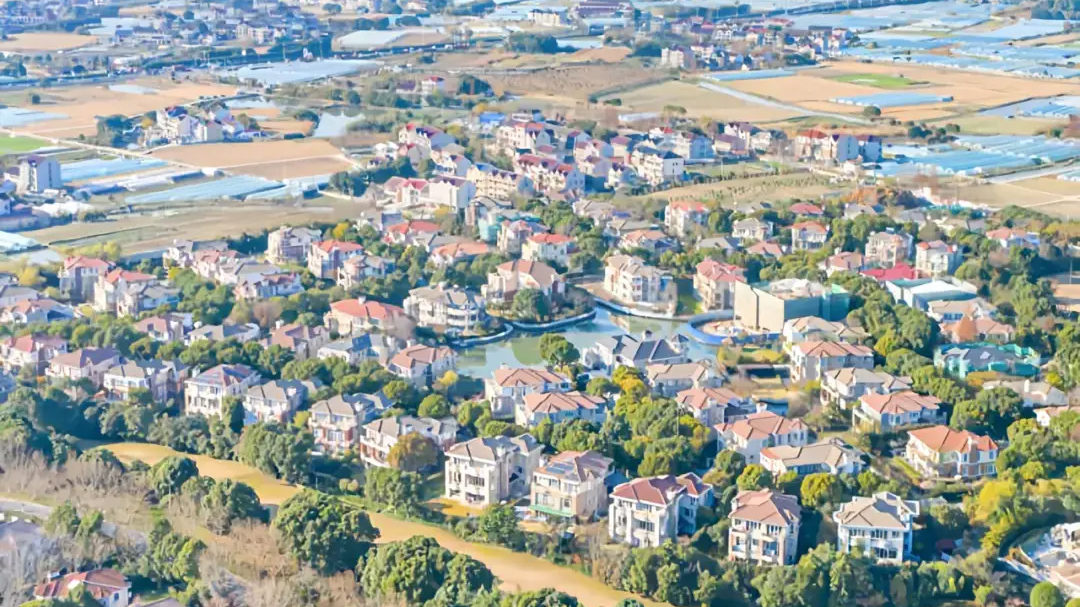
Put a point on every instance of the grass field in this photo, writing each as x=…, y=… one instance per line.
x=516, y=571
x=999, y=125
x=881, y=81
x=19, y=145
x=220, y=155
x=698, y=102
x=36, y=42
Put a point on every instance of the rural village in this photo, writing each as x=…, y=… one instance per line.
x=539, y=303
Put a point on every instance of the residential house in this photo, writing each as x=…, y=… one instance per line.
x=514, y=234
x=276, y=400
x=33, y=351
x=112, y=287
x=808, y=236
x=496, y=183
x=887, y=412
x=350, y=316
x=446, y=308
x=486, y=471
x=548, y=248
x=450, y=191
x=171, y=326
x=845, y=261
x=523, y=135
x=1045, y=416
x=378, y=437
x=425, y=136
x=749, y=435
x=832, y=456
x=764, y=527
x=969, y=329
x=290, y=245
x=612, y=351
x=901, y=271
x=108, y=587
x=161, y=378
x=84, y=363
x=205, y=393
x=412, y=233
x=813, y=328
x=714, y=283
x=937, y=258
x=939, y=452
x=303, y=341
x=421, y=365
x=714, y=405
x=844, y=387
x=655, y=166
x=951, y=311
x=886, y=249
x=646, y=512
x=11, y=294
x=326, y=257
x=36, y=311
x=357, y=268
x=630, y=280
x=880, y=525
x=559, y=407
x=571, y=486
x=335, y=422
x=444, y=256
x=653, y=241
x=1010, y=238
x=78, y=276
x=507, y=388
x=1034, y=393
x=958, y=360
x=513, y=276
x=811, y=359
x=671, y=379
x=751, y=229
x=683, y=216
x=242, y=333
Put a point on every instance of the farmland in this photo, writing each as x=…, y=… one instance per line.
x=42, y=42
x=698, y=102
x=19, y=145
x=881, y=81
x=221, y=155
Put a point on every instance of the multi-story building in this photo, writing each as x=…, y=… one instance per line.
x=812, y=359
x=646, y=512
x=485, y=471
x=523, y=135
x=507, y=388
x=350, y=316
x=767, y=306
x=808, y=236
x=683, y=216
x=939, y=452
x=30, y=351
x=85, y=363
x=714, y=283
x=163, y=379
x=937, y=258
x=887, y=412
x=111, y=287
x=713, y=406
x=276, y=400
x=831, y=456
x=548, y=248
x=38, y=174
x=78, y=276
x=205, y=393
x=751, y=229
x=492, y=182
x=378, y=437
x=880, y=525
x=303, y=341
x=886, y=249
x=764, y=527
x=570, y=486
x=421, y=365
x=668, y=379
x=446, y=308
x=513, y=276
x=326, y=257
x=748, y=436
x=656, y=166
x=678, y=57
x=335, y=422
x=630, y=280
x=559, y=407
x=844, y=387
x=108, y=587
x=290, y=245
x=357, y=268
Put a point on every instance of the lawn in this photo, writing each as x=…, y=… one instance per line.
x=19, y=145
x=881, y=81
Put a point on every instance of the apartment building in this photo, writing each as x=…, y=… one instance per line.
x=507, y=388
x=523, y=135
x=163, y=379
x=749, y=435
x=715, y=406
x=378, y=437
x=38, y=174
x=205, y=393
x=714, y=283
x=326, y=257
x=939, y=452
x=655, y=166
x=495, y=183
x=767, y=306
x=879, y=525
x=559, y=407
x=808, y=236
x=630, y=280
x=887, y=412
x=446, y=308
x=832, y=456
x=290, y=245
x=886, y=249
x=844, y=387
x=764, y=527
x=571, y=486
x=812, y=359
x=276, y=400
x=646, y=512
x=485, y=471
x=937, y=258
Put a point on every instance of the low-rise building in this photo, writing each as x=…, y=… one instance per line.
x=808, y=236
x=937, y=258
x=335, y=422
x=571, y=486
x=30, y=351
x=548, y=248
x=303, y=341
x=764, y=527
x=767, y=306
x=205, y=393
x=657, y=166
x=714, y=284
x=813, y=328
x=844, y=387
x=886, y=412
x=446, y=308
x=683, y=216
x=108, y=587
x=671, y=379
x=83, y=364
x=485, y=471
x=880, y=525
x=78, y=276
x=886, y=249
x=276, y=400
x=350, y=316
x=162, y=379
x=513, y=276
x=751, y=229
x=832, y=456
x=985, y=329
x=242, y=333
x=812, y=359
x=290, y=245
x=748, y=436
x=630, y=280
x=941, y=452
x=378, y=437
x=1034, y=393
x=507, y=388
x=326, y=257
x=559, y=407
x=715, y=406
x=612, y=351
x=421, y=365
x=646, y=512
x=959, y=360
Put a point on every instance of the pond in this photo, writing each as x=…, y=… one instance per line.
x=336, y=124
x=523, y=349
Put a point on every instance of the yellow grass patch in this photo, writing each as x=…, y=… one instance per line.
x=699, y=103
x=219, y=155
x=37, y=42
x=292, y=169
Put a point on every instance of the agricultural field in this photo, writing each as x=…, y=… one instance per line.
x=572, y=84
x=881, y=81
x=41, y=42
x=19, y=145
x=291, y=169
x=999, y=125
x=1047, y=194
x=751, y=189
x=698, y=102
x=224, y=155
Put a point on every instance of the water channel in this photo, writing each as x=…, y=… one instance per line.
x=523, y=349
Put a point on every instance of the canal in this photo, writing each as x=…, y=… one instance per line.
x=523, y=349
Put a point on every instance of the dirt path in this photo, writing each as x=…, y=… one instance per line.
x=517, y=571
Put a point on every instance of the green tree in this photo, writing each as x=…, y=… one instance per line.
x=63, y=521
x=413, y=452
x=392, y=489
x=1046, y=594
x=753, y=477
x=498, y=524
x=168, y=475
x=228, y=501
x=820, y=489
x=417, y=569
x=323, y=532
x=530, y=304
x=435, y=406
x=557, y=351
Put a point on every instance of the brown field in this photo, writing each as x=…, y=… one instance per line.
x=291, y=169
x=236, y=154
x=699, y=103
x=285, y=126
x=606, y=55
x=997, y=125
x=1047, y=194
x=35, y=42
x=571, y=82
x=752, y=189
x=82, y=105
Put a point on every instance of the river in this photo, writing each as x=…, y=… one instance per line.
x=523, y=349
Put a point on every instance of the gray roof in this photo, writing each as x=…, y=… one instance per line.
x=494, y=448
x=634, y=349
